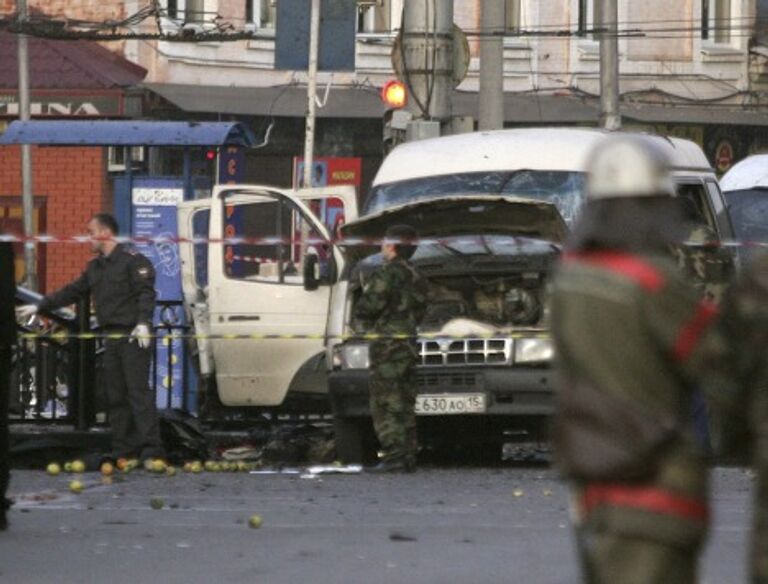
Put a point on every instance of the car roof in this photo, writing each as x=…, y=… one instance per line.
x=563, y=149
x=750, y=173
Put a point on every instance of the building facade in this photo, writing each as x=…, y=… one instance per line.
x=692, y=68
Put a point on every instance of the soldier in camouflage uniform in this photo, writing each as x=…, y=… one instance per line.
x=392, y=305
x=744, y=405
x=630, y=335
x=703, y=261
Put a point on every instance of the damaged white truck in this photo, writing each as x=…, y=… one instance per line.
x=491, y=209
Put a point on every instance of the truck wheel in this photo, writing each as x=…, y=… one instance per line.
x=354, y=440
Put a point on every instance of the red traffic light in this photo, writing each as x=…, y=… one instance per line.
x=210, y=154
x=394, y=94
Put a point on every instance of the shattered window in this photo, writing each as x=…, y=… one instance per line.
x=749, y=214
x=563, y=188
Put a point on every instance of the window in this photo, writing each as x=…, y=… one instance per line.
x=172, y=9
x=589, y=18
x=512, y=15
x=716, y=21
x=192, y=11
x=379, y=16
x=260, y=13
x=288, y=236
x=195, y=11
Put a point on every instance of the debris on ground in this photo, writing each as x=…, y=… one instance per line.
x=399, y=536
x=255, y=521
x=530, y=452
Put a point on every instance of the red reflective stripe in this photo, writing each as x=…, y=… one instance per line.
x=646, y=498
x=624, y=264
x=693, y=330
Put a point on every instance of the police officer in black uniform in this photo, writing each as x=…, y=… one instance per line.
x=7, y=341
x=122, y=284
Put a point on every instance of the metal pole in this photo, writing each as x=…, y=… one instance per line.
x=309, y=134
x=428, y=57
x=610, y=116
x=27, y=199
x=492, y=19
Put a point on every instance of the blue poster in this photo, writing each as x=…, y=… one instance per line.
x=154, y=216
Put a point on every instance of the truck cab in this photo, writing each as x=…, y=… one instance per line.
x=257, y=275
x=271, y=277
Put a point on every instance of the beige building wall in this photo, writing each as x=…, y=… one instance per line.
x=661, y=14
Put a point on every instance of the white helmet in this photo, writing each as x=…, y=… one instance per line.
x=629, y=165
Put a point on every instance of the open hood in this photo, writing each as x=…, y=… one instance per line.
x=466, y=215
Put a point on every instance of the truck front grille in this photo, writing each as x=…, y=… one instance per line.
x=438, y=353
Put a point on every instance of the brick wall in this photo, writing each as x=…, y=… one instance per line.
x=95, y=10
x=80, y=9
x=73, y=183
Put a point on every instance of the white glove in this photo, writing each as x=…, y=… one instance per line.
x=26, y=311
x=140, y=334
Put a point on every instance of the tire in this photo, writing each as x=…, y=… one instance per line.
x=355, y=442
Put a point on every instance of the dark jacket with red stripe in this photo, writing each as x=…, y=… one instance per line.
x=630, y=326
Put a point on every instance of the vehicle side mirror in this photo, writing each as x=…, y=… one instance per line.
x=311, y=272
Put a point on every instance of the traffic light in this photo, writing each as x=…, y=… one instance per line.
x=394, y=94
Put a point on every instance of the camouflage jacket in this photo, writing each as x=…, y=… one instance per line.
x=632, y=329
x=394, y=300
x=707, y=265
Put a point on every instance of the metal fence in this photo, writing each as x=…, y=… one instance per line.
x=58, y=376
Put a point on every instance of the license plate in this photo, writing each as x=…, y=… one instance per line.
x=450, y=403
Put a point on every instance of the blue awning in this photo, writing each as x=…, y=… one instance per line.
x=127, y=133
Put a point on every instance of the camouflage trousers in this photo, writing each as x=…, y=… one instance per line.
x=608, y=558
x=759, y=547
x=393, y=391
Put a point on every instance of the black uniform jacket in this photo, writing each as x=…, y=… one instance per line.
x=7, y=296
x=121, y=284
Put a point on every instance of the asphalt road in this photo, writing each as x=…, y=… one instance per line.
x=465, y=525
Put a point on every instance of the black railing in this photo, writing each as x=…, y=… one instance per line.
x=58, y=375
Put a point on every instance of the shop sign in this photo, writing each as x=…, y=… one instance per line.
x=80, y=106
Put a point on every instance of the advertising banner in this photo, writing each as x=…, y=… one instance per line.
x=154, y=215
x=328, y=172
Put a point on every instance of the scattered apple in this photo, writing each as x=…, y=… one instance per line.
x=76, y=487
x=53, y=469
x=107, y=469
x=78, y=466
x=255, y=521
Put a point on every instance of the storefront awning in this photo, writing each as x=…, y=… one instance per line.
x=364, y=102
x=127, y=133
x=357, y=102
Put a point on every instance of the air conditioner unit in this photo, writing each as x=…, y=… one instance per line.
x=116, y=158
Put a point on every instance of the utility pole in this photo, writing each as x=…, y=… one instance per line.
x=492, y=20
x=309, y=133
x=428, y=57
x=610, y=116
x=27, y=200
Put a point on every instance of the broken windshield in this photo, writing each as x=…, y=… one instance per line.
x=564, y=189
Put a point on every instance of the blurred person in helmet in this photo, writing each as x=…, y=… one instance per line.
x=629, y=333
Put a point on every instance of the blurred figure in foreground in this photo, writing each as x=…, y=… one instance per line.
x=628, y=331
x=743, y=405
x=7, y=341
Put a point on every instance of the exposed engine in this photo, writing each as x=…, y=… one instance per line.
x=500, y=301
